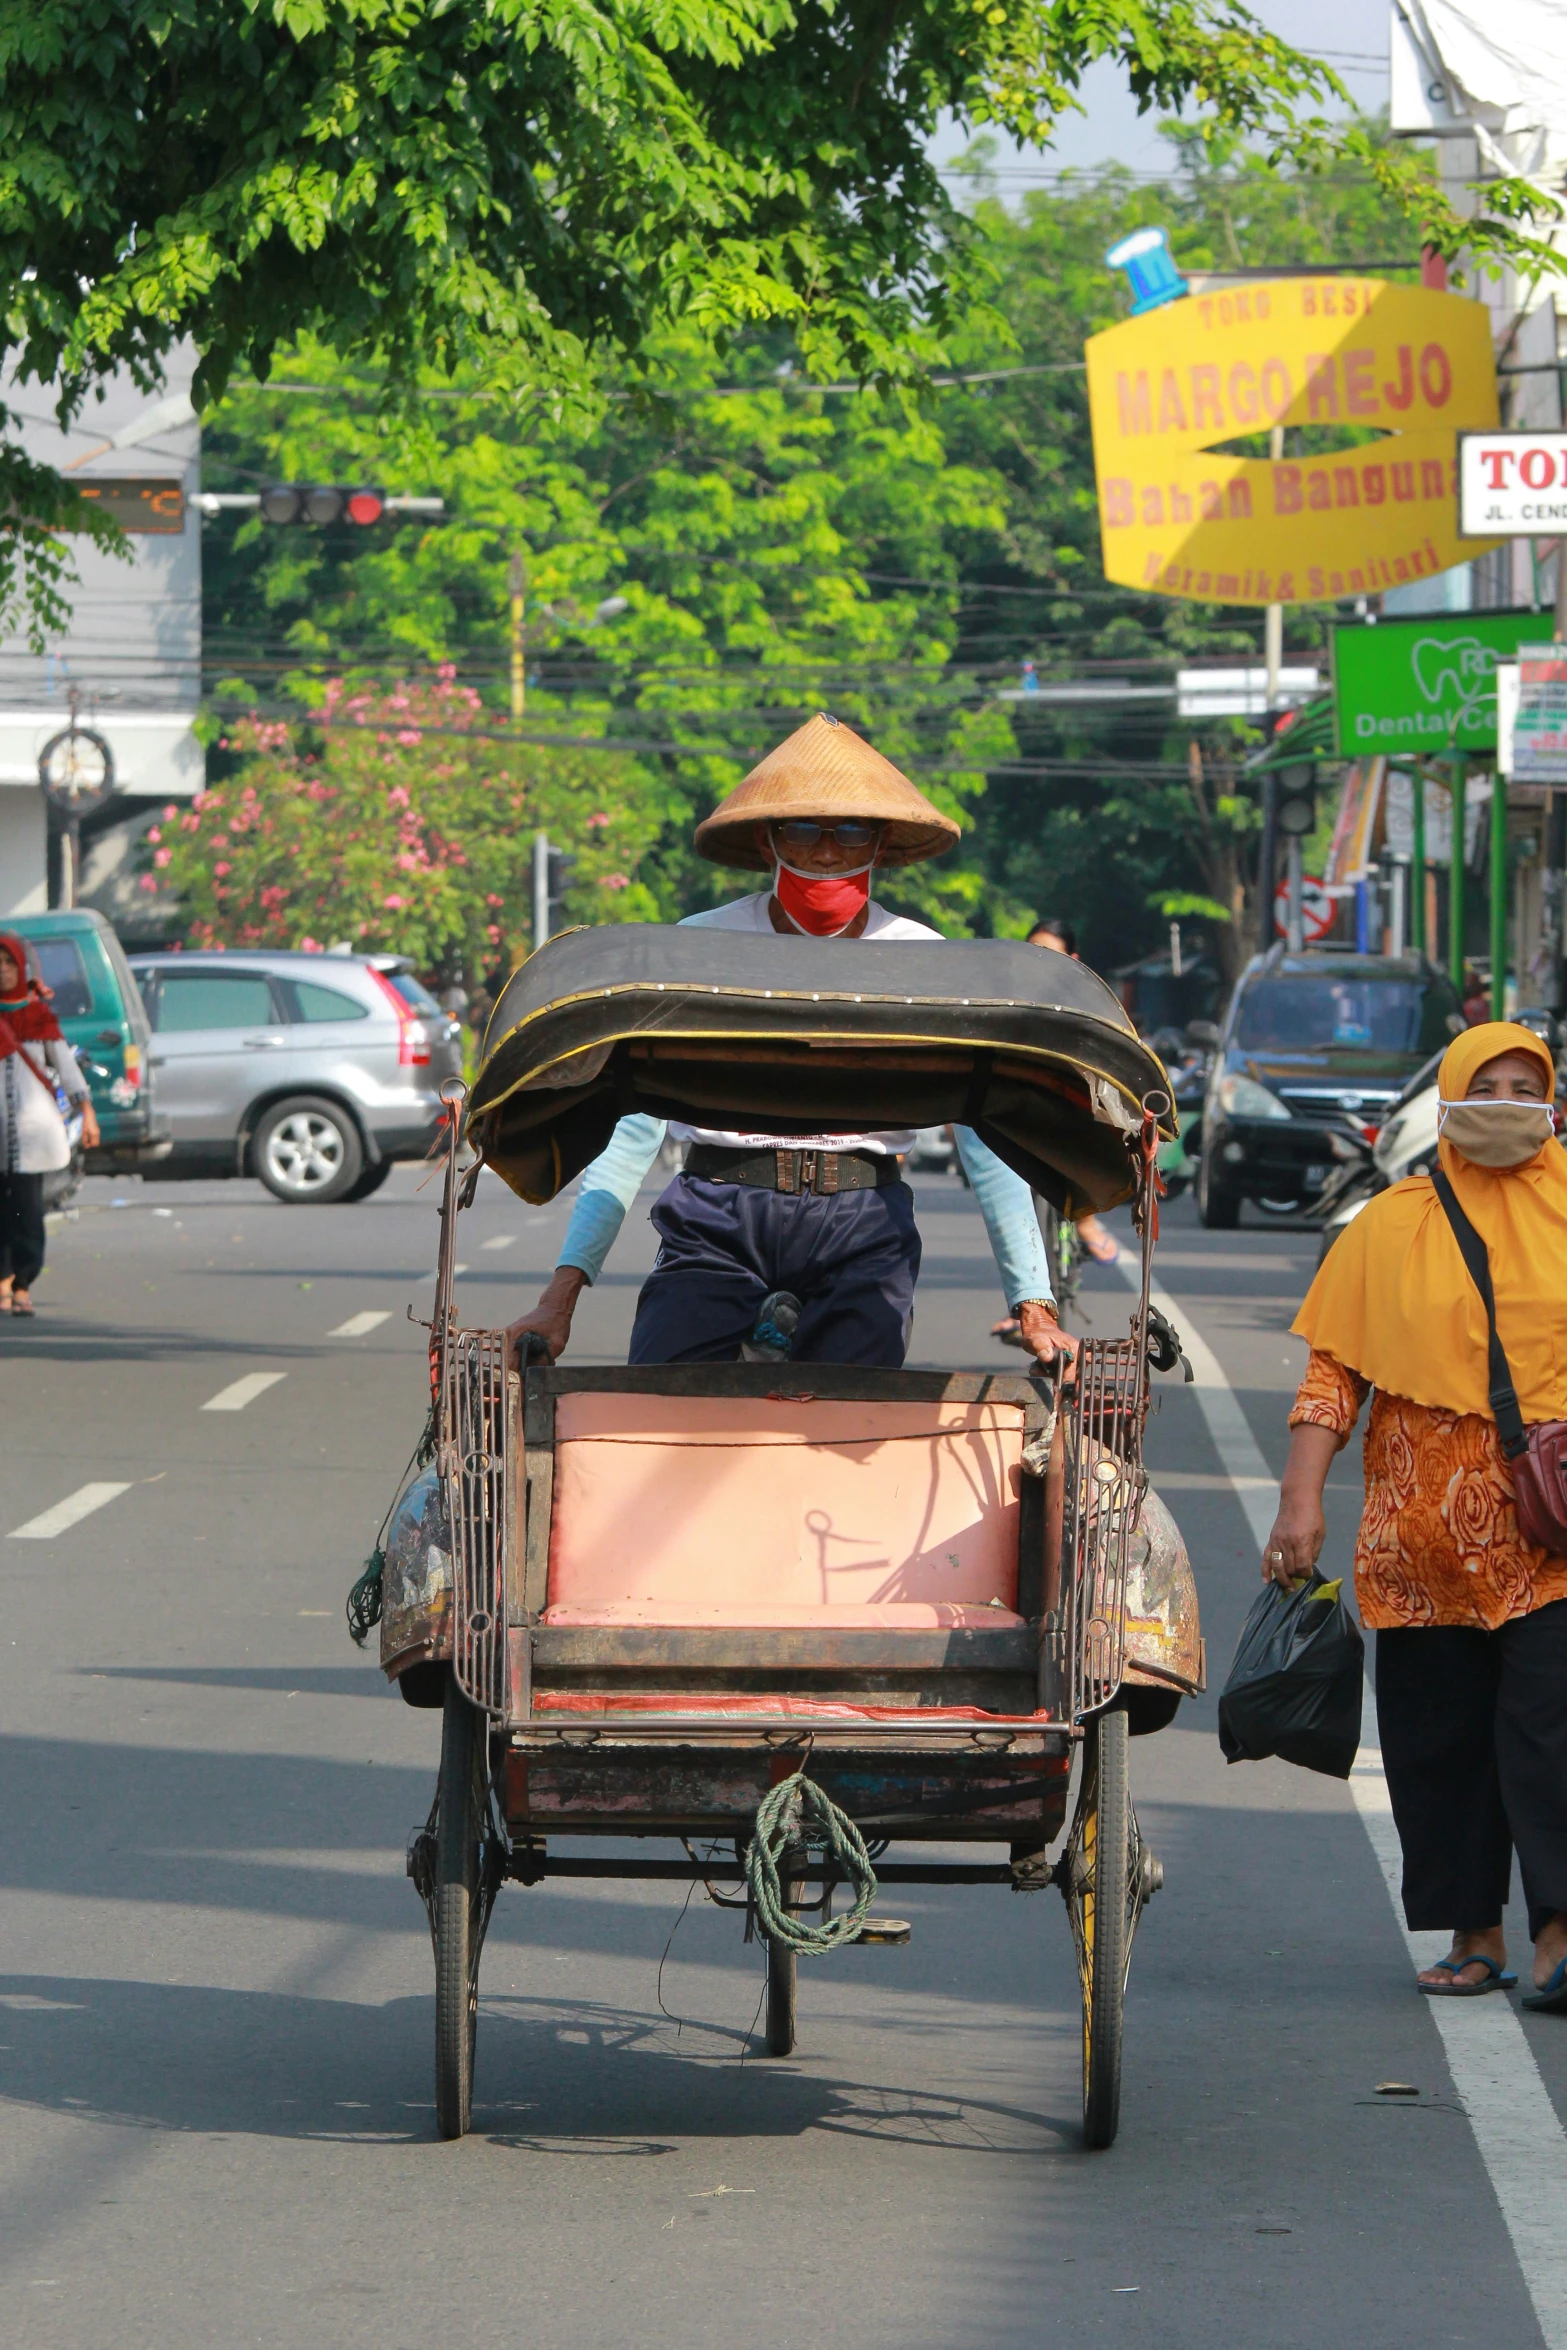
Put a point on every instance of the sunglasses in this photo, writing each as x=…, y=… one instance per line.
x=804, y=835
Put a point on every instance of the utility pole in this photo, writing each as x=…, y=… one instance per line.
x=518, y=581
x=1273, y=630
x=541, y=889
x=1498, y=897
x=1455, y=877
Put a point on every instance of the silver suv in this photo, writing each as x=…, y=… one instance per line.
x=315, y=1072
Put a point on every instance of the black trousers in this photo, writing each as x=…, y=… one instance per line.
x=851, y=1257
x=21, y=1228
x=1474, y=1743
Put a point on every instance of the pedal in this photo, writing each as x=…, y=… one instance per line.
x=889, y=1931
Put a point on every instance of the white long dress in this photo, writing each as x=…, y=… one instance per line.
x=32, y=1131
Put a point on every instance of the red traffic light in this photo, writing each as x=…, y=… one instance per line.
x=321, y=503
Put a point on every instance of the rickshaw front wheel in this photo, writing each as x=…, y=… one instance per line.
x=1105, y=1890
x=458, y=1914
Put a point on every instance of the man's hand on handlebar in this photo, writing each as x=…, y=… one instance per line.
x=550, y=1319
x=1044, y=1337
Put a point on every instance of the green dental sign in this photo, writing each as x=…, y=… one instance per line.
x=1426, y=685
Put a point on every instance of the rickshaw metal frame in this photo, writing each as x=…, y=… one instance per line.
x=494, y=1449
x=911, y=1773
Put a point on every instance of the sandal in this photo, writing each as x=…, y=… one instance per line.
x=1496, y=1979
x=1551, y=1997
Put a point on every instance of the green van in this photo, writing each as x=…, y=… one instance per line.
x=99, y=1007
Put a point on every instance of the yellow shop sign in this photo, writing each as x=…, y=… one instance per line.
x=1170, y=389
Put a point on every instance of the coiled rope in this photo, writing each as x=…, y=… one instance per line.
x=795, y=1815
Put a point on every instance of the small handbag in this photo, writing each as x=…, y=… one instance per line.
x=1538, y=1455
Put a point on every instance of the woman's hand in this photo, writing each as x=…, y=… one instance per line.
x=551, y=1317
x=1299, y=1530
x=91, y=1136
x=1295, y=1545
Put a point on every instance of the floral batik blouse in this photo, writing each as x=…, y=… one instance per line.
x=1439, y=1540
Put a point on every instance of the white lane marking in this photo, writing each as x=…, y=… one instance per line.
x=501, y=1240
x=1516, y=2129
x=68, y=1513
x=243, y=1391
x=1520, y=2139
x=359, y=1325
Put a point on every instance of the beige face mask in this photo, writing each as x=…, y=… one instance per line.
x=1496, y=1134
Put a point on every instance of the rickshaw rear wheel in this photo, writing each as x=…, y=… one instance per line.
x=1104, y=1891
x=458, y=1916
x=783, y=1967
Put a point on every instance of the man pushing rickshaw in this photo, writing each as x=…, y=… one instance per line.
x=788, y=1620
x=823, y=1221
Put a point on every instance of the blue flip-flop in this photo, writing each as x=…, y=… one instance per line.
x=1496, y=1980
x=1551, y=1997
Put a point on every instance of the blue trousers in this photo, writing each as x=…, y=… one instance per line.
x=851, y=1258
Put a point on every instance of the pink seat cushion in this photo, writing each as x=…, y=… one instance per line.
x=717, y=1511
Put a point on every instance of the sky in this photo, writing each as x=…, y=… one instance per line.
x=1349, y=34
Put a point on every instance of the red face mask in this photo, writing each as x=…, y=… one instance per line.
x=822, y=904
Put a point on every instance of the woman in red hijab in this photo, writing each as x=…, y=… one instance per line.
x=34, y=1060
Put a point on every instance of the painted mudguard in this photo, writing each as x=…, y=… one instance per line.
x=416, y=1582
x=1164, y=1645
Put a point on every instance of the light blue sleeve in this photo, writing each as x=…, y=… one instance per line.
x=609, y=1186
x=1007, y=1205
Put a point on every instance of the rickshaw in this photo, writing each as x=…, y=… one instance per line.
x=869, y=1609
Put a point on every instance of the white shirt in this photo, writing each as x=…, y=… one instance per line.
x=751, y=914
x=32, y=1131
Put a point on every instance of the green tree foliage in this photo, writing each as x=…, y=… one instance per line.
x=780, y=549
x=746, y=546
x=509, y=183
x=389, y=820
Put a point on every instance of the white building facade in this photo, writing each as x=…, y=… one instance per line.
x=131, y=654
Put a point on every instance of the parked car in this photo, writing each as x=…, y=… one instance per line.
x=315, y=1072
x=100, y=1010
x=1315, y=1050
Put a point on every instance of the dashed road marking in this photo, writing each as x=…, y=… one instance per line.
x=243, y=1391
x=359, y=1325
x=68, y=1513
x=501, y=1240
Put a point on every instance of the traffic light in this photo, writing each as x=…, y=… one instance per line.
x=1295, y=801
x=321, y=503
x=562, y=867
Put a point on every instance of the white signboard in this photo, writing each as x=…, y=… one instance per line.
x=1512, y=485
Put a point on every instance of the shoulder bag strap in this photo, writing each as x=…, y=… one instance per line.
x=1504, y=1395
x=26, y=1058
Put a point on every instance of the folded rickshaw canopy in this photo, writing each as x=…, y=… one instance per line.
x=762, y=1035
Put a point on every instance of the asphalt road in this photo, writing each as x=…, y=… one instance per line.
x=216, y=1986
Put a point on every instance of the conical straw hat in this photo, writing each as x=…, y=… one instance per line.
x=826, y=771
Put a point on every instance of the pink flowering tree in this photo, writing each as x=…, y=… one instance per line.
x=399, y=820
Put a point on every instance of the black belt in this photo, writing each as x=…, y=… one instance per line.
x=786, y=1170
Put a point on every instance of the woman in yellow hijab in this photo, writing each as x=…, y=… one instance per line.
x=1471, y=1620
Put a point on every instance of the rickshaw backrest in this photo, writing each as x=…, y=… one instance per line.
x=783, y=1511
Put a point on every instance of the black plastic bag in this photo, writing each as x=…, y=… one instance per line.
x=1295, y=1687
